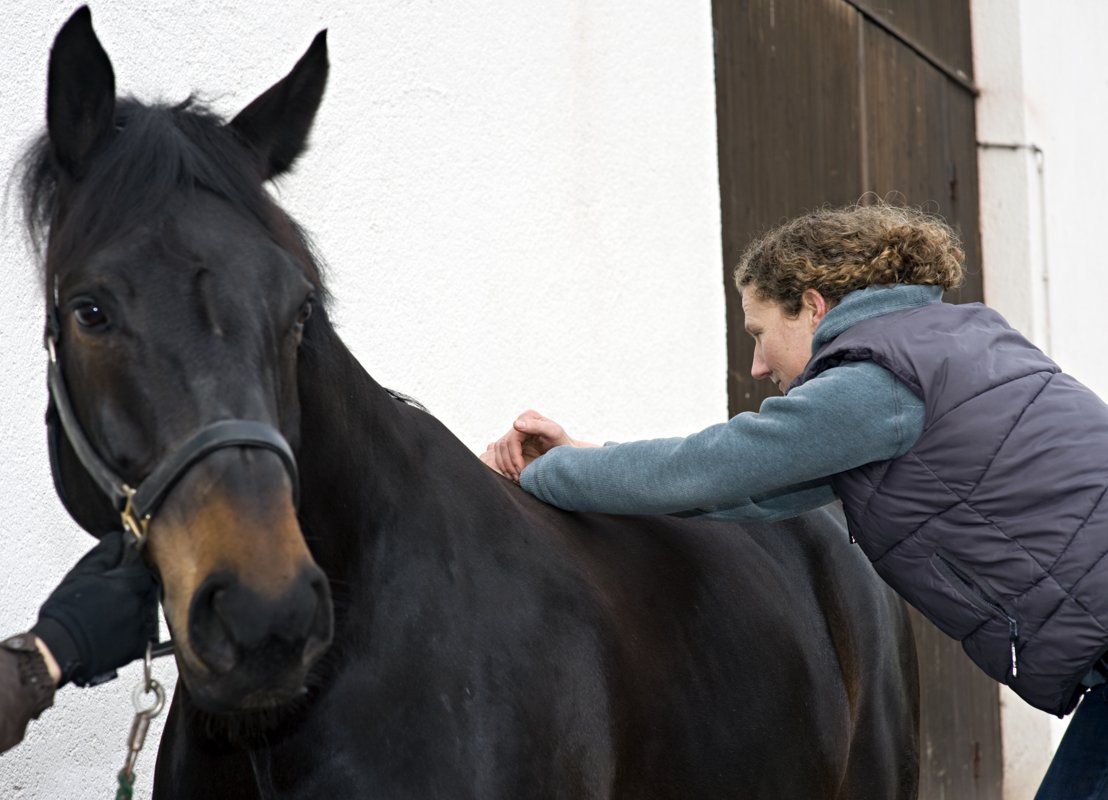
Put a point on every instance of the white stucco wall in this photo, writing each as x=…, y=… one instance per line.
x=1044, y=89
x=519, y=204
x=1067, y=115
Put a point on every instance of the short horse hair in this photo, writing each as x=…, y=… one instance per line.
x=157, y=152
x=840, y=250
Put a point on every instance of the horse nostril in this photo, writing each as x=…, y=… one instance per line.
x=232, y=625
x=209, y=633
x=321, y=631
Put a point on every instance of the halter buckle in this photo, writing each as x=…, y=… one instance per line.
x=135, y=525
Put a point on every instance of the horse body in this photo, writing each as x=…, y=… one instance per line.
x=493, y=646
x=484, y=644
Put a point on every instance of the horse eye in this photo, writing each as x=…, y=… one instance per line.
x=304, y=313
x=90, y=315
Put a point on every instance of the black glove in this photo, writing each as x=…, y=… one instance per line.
x=102, y=614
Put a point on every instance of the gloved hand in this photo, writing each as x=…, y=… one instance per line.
x=102, y=614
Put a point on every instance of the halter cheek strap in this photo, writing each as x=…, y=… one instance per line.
x=92, y=511
x=137, y=505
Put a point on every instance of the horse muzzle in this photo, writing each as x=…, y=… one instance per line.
x=256, y=651
x=249, y=609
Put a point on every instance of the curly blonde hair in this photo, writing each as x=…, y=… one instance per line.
x=839, y=250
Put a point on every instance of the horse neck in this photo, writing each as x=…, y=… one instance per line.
x=357, y=456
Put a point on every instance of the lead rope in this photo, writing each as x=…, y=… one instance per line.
x=144, y=712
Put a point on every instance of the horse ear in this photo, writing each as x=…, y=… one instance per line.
x=80, y=93
x=276, y=124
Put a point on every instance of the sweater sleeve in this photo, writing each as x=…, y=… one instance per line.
x=851, y=415
x=25, y=691
x=787, y=502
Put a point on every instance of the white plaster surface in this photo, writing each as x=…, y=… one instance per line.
x=1044, y=88
x=1067, y=113
x=519, y=205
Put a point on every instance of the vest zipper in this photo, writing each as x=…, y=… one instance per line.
x=981, y=595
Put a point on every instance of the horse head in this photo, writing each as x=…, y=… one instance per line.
x=178, y=295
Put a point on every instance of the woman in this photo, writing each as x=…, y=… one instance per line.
x=972, y=471
x=100, y=617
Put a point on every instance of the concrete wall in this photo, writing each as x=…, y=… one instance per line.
x=519, y=204
x=1041, y=118
x=1067, y=114
x=1045, y=91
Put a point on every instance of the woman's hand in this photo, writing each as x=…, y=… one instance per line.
x=531, y=436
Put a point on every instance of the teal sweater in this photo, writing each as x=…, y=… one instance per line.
x=768, y=464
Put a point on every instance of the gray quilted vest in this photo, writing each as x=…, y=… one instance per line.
x=995, y=524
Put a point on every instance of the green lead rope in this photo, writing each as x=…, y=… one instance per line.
x=126, y=790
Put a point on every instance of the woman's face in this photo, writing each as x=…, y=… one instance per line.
x=782, y=344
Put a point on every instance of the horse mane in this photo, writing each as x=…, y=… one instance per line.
x=157, y=153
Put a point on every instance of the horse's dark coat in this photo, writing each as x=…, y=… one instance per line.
x=486, y=645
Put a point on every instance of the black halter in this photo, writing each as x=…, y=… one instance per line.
x=137, y=505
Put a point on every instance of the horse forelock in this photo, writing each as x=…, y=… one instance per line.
x=157, y=155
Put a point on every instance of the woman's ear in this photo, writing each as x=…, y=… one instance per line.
x=816, y=305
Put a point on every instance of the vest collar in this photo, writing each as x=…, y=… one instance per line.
x=873, y=301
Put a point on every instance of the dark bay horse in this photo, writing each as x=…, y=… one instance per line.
x=367, y=610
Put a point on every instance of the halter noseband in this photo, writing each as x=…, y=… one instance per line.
x=137, y=505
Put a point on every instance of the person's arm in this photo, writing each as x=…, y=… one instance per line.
x=26, y=686
x=851, y=415
x=100, y=617
x=51, y=663
x=788, y=502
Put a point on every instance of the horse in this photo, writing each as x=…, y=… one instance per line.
x=360, y=608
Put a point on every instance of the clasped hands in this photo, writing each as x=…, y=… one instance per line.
x=530, y=436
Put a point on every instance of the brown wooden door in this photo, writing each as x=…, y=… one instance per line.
x=819, y=102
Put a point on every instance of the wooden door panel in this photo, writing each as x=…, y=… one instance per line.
x=817, y=104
